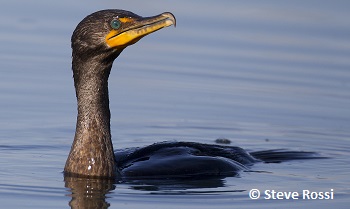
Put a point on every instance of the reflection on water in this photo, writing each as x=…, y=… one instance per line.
x=175, y=186
x=89, y=193
x=92, y=193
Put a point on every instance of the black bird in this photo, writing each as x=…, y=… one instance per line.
x=96, y=42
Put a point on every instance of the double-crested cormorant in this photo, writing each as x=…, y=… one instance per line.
x=96, y=42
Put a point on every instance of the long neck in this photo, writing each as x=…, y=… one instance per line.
x=92, y=150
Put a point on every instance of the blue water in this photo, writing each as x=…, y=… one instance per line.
x=265, y=74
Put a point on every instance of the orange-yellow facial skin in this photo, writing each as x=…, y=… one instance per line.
x=132, y=30
x=126, y=19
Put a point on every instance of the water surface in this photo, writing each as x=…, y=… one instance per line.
x=265, y=74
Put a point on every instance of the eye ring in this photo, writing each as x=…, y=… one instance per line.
x=115, y=24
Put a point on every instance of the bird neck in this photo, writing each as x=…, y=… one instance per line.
x=92, y=150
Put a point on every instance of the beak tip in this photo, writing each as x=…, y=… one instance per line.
x=170, y=17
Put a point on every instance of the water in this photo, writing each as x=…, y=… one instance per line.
x=265, y=74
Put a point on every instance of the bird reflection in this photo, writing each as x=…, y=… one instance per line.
x=89, y=193
x=181, y=185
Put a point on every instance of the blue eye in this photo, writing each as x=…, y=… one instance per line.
x=115, y=24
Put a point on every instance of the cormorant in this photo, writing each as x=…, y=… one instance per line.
x=96, y=42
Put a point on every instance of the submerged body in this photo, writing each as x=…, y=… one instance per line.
x=96, y=42
x=191, y=159
x=182, y=160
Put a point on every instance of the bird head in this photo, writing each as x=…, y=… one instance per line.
x=106, y=33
